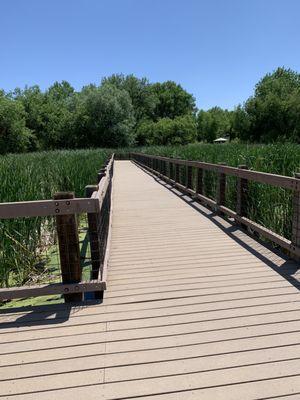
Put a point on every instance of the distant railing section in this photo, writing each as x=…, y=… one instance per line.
x=169, y=170
x=66, y=211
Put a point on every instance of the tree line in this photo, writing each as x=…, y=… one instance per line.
x=126, y=110
x=272, y=114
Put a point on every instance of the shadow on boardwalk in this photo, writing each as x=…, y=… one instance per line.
x=41, y=315
x=262, y=250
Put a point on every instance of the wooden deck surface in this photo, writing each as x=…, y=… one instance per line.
x=195, y=309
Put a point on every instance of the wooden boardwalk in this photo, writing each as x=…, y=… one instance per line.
x=195, y=309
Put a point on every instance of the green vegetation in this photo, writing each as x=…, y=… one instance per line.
x=270, y=115
x=269, y=206
x=108, y=115
x=127, y=111
x=34, y=176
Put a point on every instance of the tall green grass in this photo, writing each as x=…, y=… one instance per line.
x=33, y=177
x=267, y=205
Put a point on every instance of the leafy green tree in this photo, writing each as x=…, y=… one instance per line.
x=142, y=97
x=172, y=100
x=104, y=117
x=213, y=123
x=60, y=91
x=47, y=114
x=274, y=109
x=14, y=136
x=240, y=124
x=32, y=99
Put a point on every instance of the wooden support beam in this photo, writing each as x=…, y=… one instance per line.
x=189, y=176
x=101, y=174
x=93, y=235
x=171, y=170
x=296, y=218
x=221, y=188
x=242, y=193
x=199, y=183
x=70, y=289
x=177, y=173
x=69, y=251
x=43, y=208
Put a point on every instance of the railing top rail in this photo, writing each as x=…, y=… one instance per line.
x=104, y=183
x=282, y=181
x=43, y=208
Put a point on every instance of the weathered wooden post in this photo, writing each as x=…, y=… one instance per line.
x=189, y=175
x=151, y=163
x=69, y=251
x=171, y=170
x=199, y=183
x=242, y=192
x=159, y=166
x=177, y=173
x=164, y=168
x=101, y=174
x=221, y=189
x=93, y=235
x=296, y=218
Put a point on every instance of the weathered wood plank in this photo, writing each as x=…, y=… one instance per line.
x=54, y=288
x=42, y=208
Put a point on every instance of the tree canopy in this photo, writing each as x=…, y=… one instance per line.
x=111, y=114
x=124, y=110
x=271, y=114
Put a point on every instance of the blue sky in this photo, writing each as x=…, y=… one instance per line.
x=216, y=49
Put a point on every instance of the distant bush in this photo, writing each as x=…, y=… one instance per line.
x=177, y=131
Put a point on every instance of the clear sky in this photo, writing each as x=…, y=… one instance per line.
x=217, y=49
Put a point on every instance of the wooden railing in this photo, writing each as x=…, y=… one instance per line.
x=65, y=208
x=168, y=169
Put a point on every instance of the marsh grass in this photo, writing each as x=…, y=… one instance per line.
x=267, y=205
x=38, y=176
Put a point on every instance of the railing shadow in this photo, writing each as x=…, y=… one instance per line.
x=40, y=315
x=287, y=269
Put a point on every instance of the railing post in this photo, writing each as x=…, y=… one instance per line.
x=101, y=174
x=93, y=235
x=177, y=174
x=221, y=189
x=199, y=184
x=242, y=192
x=296, y=217
x=189, y=174
x=69, y=251
x=171, y=170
